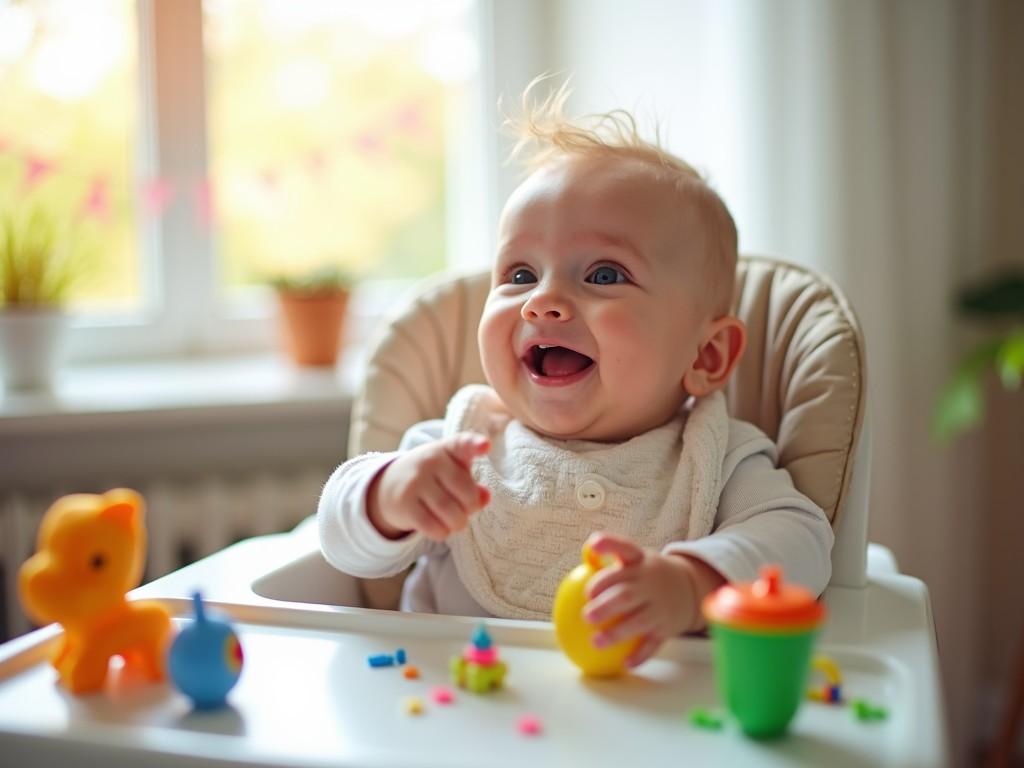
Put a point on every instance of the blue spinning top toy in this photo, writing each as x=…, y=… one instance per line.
x=205, y=660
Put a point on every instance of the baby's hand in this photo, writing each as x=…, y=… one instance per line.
x=429, y=489
x=646, y=594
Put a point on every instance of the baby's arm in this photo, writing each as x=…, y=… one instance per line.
x=763, y=519
x=348, y=538
x=429, y=489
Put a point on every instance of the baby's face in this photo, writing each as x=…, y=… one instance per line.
x=594, y=314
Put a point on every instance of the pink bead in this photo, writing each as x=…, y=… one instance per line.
x=442, y=694
x=529, y=725
x=484, y=657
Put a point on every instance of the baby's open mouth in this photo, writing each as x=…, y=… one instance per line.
x=553, y=361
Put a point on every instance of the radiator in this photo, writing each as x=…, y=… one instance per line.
x=186, y=520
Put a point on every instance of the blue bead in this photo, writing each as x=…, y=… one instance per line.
x=400, y=655
x=481, y=639
x=382, y=660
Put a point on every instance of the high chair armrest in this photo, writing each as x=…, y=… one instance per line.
x=881, y=560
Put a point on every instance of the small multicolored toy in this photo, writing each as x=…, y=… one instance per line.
x=206, y=658
x=478, y=667
x=832, y=691
x=91, y=550
x=575, y=634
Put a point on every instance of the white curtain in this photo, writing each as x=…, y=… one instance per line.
x=851, y=137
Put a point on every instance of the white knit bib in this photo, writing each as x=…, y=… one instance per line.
x=658, y=487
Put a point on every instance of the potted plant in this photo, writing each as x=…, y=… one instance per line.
x=37, y=269
x=312, y=310
x=1000, y=302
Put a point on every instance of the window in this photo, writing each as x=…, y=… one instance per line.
x=200, y=147
x=69, y=75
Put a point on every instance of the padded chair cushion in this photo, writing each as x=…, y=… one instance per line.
x=801, y=379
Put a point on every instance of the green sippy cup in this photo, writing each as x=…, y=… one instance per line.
x=762, y=635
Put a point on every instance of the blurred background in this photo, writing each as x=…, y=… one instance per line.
x=192, y=151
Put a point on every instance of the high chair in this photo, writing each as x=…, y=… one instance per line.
x=802, y=380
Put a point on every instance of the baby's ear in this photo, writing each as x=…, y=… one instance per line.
x=717, y=356
x=123, y=506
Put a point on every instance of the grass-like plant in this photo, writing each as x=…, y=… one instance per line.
x=1000, y=301
x=38, y=263
x=317, y=282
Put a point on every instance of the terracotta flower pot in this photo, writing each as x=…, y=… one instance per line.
x=312, y=325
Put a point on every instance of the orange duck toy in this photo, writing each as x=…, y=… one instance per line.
x=91, y=551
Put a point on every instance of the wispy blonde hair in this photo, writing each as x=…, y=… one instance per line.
x=543, y=135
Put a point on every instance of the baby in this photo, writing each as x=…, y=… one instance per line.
x=607, y=341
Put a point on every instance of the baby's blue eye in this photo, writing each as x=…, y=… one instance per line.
x=523, y=277
x=606, y=276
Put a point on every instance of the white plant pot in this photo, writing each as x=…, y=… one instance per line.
x=31, y=346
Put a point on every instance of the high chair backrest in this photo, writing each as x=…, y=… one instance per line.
x=801, y=380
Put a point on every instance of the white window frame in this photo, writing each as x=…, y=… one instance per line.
x=185, y=317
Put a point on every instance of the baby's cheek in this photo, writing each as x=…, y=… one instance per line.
x=494, y=341
x=627, y=343
x=497, y=355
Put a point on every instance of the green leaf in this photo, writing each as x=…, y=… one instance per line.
x=1010, y=360
x=961, y=405
x=38, y=262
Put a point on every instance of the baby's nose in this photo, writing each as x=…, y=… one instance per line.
x=550, y=314
x=547, y=304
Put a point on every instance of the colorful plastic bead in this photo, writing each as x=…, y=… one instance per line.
x=442, y=694
x=704, y=718
x=485, y=657
x=381, y=660
x=865, y=711
x=412, y=705
x=481, y=638
x=411, y=672
x=400, y=655
x=529, y=725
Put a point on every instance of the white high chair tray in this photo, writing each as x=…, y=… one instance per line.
x=307, y=697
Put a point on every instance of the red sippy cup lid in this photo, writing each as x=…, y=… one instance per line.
x=764, y=604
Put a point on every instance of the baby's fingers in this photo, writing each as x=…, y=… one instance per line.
x=647, y=648
x=450, y=510
x=460, y=485
x=640, y=622
x=428, y=522
x=607, y=578
x=615, y=601
x=466, y=446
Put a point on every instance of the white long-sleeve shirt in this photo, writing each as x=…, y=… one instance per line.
x=761, y=518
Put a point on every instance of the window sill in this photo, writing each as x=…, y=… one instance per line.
x=114, y=423
x=178, y=390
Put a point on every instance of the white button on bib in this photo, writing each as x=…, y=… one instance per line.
x=590, y=494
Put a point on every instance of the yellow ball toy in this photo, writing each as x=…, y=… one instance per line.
x=575, y=634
